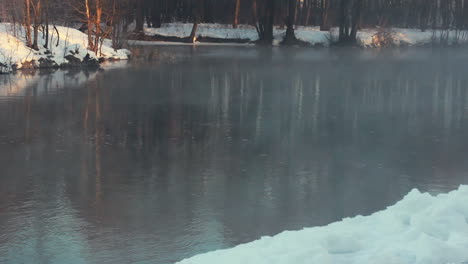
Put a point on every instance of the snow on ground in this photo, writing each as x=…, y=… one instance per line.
x=420, y=229
x=208, y=30
x=15, y=54
x=311, y=35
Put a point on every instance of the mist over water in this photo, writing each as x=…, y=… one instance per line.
x=205, y=148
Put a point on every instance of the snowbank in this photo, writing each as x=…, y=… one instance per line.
x=68, y=47
x=420, y=229
x=207, y=30
x=311, y=35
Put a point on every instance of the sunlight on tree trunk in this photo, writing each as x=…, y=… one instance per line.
x=236, y=14
x=37, y=22
x=27, y=23
x=89, y=23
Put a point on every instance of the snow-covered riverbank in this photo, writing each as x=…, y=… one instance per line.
x=420, y=229
x=68, y=47
x=313, y=35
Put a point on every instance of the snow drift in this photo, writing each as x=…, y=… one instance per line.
x=420, y=229
x=68, y=46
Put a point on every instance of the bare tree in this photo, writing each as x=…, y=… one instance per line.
x=196, y=19
x=325, y=15
x=236, y=14
x=290, y=37
x=27, y=22
x=37, y=14
x=265, y=14
x=350, y=14
x=139, y=16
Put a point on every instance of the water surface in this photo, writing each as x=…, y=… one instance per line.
x=188, y=150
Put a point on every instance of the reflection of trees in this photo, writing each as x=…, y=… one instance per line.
x=244, y=150
x=42, y=82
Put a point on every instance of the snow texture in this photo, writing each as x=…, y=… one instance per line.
x=420, y=229
x=312, y=35
x=15, y=54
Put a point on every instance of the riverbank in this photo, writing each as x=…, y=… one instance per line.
x=311, y=36
x=68, y=48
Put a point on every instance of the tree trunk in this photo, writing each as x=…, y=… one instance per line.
x=307, y=13
x=325, y=10
x=90, y=26
x=140, y=13
x=197, y=18
x=265, y=19
x=97, y=27
x=254, y=12
x=269, y=21
x=156, y=14
x=192, y=37
x=27, y=23
x=344, y=31
x=357, y=10
x=290, y=37
x=37, y=15
x=46, y=18
x=236, y=14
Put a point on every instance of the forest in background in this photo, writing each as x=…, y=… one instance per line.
x=117, y=19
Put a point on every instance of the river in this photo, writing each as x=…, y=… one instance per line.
x=187, y=149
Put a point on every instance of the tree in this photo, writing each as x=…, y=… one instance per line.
x=155, y=13
x=350, y=14
x=46, y=26
x=89, y=23
x=139, y=16
x=111, y=18
x=197, y=16
x=325, y=15
x=37, y=13
x=97, y=26
x=27, y=22
x=265, y=20
x=236, y=14
x=290, y=37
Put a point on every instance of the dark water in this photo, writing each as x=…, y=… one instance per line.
x=211, y=147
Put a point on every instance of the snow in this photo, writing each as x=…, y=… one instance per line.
x=69, y=41
x=208, y=30
x=311, y=35
x=171, y=43
x=420, y=229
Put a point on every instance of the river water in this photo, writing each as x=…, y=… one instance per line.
x=190, y=149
